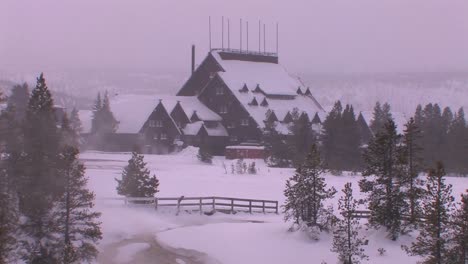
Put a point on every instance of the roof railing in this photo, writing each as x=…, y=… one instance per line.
x=249, y=52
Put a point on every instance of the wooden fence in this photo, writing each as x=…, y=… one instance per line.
x=208, y=204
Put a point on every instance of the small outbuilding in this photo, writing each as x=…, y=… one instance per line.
x=245, y=151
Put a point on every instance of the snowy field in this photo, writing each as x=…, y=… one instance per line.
x=141, y=235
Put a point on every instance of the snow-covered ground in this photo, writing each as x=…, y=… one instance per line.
x=139, y=235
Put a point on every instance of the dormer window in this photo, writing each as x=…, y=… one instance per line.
x=257, y=89
x=299, y=91
x=219, y=90
x=264, y=102
x=254, y=102
x=223, y=109
x=244, y=89
x=308, y=92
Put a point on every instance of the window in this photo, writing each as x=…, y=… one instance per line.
x=244, y=122
x=155, y=137
x=159, y=123
x=233, y=138
x=163, y=136
x=223, y=109
x=231, y=125
x=219, y=90
x=151, y=123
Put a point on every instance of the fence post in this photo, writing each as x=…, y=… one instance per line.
x=201, y=208
x=263, y=203
x=155, y=203
x=232, y=206
x=178, y=204
x=125, y=201
x=276, y=207
x=250, y=206
x=214, y=205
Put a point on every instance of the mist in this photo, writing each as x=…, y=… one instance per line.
x=314, y=36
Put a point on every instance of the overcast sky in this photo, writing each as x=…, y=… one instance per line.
x=315, y=35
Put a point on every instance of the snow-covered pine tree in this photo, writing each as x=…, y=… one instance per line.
x=300, y=137
x=459, y=238
x=204, y=154
x=382, y=175
x=432, y=242
x=305, y=193
x=136, y=179
x=412, y=156
x=252, y=168
x=39, y=185
x=76, y=126
x=77, y=224
x=346, y=240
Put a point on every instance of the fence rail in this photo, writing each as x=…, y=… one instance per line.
x=208, y=204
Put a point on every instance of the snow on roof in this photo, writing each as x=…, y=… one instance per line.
x=189, y=104
x=399, y=118
x=192, y=129
x=132, y=111
x=273, y=79
x=246, y=147
x=217, y=130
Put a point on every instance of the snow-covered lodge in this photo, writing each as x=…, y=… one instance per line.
x=225, y=102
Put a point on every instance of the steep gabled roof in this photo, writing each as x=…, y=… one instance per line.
x=189, y=104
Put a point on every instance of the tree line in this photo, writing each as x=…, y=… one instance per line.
x=437, y=135
x=47, y=213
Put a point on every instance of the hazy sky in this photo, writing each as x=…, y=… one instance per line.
x=318, y=36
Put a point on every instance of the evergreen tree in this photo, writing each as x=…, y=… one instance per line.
x=39, y=185
x=457, y=140
x=68, y=135
x=136, y=179
x=331, y=133
x=350, y=141
x=301, y=136
x=459, y=239
x=412, y=155
x=433, y=240
x=77, y=224
x=364, y=130
x=382, y=175
x=96, y=120
x=76, y=126
x=305, y=193
x=19, y=100
x=109, y=123
x=8, y=220
x=252, y=168
x=346, y=240
x=204, y=155
x=381, y=115
x=279, y=154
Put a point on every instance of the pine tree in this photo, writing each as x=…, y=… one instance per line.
x=459, y=238
x=39, y=185
x=413, y=162
x=8, y=220
x=19, y=100
x=364, y=131
x=350, y=141
x=109, y=123
x=204, y=155
x=279, y=154
x=136, y=179
x=96, y=121
x=305, y=193
x=457, y=139
x=301, y=136
x=76, y=126
x=77, y=224
x=381, y=115
x=382, y=175
x=330, y=137
x=252, y=168
x=433, y=240
x=69, y=136
x=346, y=240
